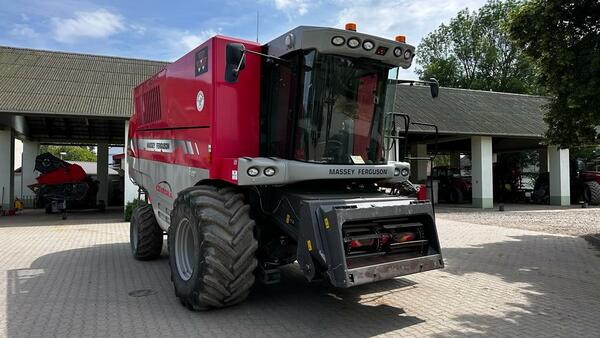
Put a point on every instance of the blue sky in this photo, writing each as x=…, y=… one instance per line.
x=165, y=30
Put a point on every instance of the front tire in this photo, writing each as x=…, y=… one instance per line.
x=455, y=196
x=145, y=235
x=211, y=247
x=592, y=191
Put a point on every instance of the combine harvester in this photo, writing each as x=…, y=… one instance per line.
x=253, y=157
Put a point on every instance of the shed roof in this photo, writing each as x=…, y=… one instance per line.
x=81, y=86
x=45, y=82
x=473, y=112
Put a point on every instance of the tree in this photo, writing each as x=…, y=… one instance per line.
x=73, y=153
x=563, y=39
x=473, y=51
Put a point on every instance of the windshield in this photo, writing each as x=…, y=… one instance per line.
x=340, y=117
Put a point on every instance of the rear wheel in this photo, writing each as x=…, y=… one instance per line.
x=145, y=235
x=211, y=247
x=591, y=192
x=455, y=196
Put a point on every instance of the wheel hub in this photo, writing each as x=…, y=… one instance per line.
x=185, y=249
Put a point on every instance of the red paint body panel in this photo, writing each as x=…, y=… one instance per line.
x=70, y=174
x=227, y=127
x=588, y=176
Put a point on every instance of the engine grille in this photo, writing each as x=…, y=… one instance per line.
x=149, y=105
x=381, y=241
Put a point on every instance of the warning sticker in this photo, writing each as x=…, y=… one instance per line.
x=357, y=159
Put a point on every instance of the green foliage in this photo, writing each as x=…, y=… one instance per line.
x=73, y=153
x=441, y=160
x=587, y=154
x=563, y=39
x=473, y=51
x=131, y=206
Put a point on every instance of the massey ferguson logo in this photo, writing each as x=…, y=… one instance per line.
x=165, y=189
x=357, y=171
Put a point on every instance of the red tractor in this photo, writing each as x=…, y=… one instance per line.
x=253, y=157
x=453, y=186
x=63, y=184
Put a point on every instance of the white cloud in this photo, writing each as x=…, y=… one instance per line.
x=292, y=7
x=95, y=24
x=24, y=30
x=413, y=18
x=190, y=41
x=388, y=18
x=176, y=43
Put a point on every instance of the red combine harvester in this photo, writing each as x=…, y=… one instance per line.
x=62, y=184
x=253, y=157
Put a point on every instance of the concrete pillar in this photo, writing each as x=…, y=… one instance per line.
x=130, y=189
x=7, y=168
x=543, y=155
x=481, y=164
x=30, y=151
x=560, y=185
x=102, y=169
x=418, y=168
x=455, y=160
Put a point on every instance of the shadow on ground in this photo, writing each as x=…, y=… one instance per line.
x=530, y=285
x=38, y=217
x=102, y=290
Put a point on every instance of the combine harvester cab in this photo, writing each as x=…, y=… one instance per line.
x=253, y=157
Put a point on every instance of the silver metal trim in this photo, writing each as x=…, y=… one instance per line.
x=373, y=273
x=290, y=171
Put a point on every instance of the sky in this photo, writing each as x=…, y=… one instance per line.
x=165, y=30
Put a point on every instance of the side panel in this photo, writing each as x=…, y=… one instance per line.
x=187, y=118
x=185, y=82
x=163, y=181
x=237, y=110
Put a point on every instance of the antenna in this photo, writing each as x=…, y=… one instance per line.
x=257, y=20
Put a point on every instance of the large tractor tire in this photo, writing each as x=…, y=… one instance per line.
x=211, y=247
x=145, y=235
x=455, y=196
x=592, y=190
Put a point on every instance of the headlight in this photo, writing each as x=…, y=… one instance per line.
x=397, y=52
x=252, y=171
x=338, y=40
x=407, y=54
x=396, y=172
x=405, y=172
x=269, y=171
x=353, y=42
x=368, y=45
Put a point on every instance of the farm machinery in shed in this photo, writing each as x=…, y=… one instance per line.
x=253, y=157
x=63, y=185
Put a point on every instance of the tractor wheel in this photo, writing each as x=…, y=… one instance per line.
x=211, y=247
x=145, y=235
x=594, y=192
x=455, y=196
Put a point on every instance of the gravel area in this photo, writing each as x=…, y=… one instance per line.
x=574, y=220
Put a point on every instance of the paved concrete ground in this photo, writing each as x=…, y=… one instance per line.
x=80, y=280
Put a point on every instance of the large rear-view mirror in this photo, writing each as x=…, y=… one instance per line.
x=235, y=61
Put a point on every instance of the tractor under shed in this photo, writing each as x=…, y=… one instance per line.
x=51, y=97
x=482, y=124
x=64, y=98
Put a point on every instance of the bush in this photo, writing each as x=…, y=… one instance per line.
x=131, y=206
